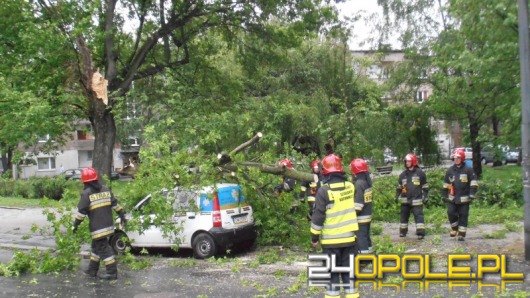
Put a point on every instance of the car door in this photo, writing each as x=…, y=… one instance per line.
x=151, y=235
x=186, y=217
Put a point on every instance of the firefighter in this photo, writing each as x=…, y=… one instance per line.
x=288, y=184
x=363, y=203
x=459, y=189
x=412, y=191
x=334, y=222
x=309, y=189
x=97, y=203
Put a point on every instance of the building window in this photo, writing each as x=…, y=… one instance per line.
x=89, y=155
x=131, y=110
x=84, y=135
x=44, y=139
x=421, y=96
x=386, y=73
x=46, y=163
x=374, y=72
x=134, y=142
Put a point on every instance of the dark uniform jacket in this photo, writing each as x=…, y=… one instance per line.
x=460, y=184
x=334, y=221
x=363, y=198
x=309, y=189
x=98, y=204
x=412, y=187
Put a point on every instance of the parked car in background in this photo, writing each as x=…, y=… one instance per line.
x=511, y=155
x=72, y=174
x=75, y=174
x=390, y=158
x=502, y=153
x=211, y=219
x=490, y=154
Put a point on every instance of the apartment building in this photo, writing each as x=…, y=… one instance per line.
x=378, y=66
x=76, y=153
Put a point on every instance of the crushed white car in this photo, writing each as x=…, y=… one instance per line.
x=210, y=219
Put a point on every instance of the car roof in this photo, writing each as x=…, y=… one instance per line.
x=205, y=189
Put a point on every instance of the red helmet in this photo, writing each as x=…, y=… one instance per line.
x=89, y=174
x=331, y=164
x=412, y=158
x=358, y=165
x=458, y=153
x=286, y=162
x=315, y=164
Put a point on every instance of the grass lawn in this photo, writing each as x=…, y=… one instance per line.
x=118, y=187
x=502, y=172
x=19, y=202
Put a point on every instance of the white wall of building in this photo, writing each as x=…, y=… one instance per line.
x=49, y=165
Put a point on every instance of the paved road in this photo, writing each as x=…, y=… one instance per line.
x=176, y=275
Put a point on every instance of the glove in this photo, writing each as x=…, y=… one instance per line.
x=396, y=199
x=123, y=222
x=425, y=199
x=74, y=229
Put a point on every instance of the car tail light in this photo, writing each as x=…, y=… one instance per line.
x=216, y=211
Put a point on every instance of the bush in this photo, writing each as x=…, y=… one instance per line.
x=34, y=188
x=52, y=188
x=500, y=192
x=7, y=187
x=384, y=189
x=276, y=221
x=22, y=188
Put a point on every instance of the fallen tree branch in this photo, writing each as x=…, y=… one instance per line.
x=227, y=158
x=275, y=170
x=226, y=163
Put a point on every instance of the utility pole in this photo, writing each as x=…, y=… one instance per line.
x=524, y=58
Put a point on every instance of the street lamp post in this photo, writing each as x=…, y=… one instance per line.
x=524, y=58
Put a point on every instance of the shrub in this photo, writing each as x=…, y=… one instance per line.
x=52, y=188
x=7, y=187
x=384, y=188
x=22, y=189
x=501, y=192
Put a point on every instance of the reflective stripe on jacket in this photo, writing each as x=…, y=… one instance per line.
x=97, y=205
x=340, y=222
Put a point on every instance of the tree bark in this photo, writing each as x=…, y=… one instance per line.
x=99, y=114
x=105, y=136
x=495, y=128
x=474, y=128
x=269, y=169
x=7, y=159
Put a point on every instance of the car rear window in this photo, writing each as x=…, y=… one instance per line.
x=229, y=197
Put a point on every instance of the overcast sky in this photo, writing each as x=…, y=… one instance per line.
x=361, y=31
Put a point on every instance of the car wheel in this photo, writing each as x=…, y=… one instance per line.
x=204, y=246
x=119, y=242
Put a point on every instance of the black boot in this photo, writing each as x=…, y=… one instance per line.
x=111, y=271
x=92, y=269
